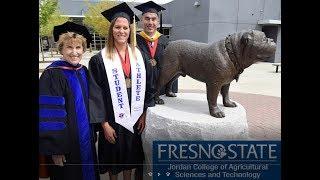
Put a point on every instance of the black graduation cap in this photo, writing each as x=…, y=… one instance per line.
x=149, y=6
x=120, y=10
x=152, y=7
x=71, y=27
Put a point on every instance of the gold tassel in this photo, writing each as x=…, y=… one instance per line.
x=133, y=33
x=133, y=39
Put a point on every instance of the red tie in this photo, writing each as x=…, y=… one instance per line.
x=153, y=47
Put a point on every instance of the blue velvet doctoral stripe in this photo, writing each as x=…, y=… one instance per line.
x=83, y=126
x=51, y=100
x=51, y=126
x=52, y=113
x=84, y=80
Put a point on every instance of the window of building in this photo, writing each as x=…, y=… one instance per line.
x=165, y=31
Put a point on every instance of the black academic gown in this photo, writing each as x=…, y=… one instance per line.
x=155, y=72
x=64, y=127
x=127, y=152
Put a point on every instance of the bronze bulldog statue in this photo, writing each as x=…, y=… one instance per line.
x=215, y=64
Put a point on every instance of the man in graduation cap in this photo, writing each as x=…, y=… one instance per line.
x=69, y=104
x=119, y=69
x=152, y=43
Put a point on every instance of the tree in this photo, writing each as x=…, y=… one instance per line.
x=47, y=7
x=95, y=20
x=54, y=20
x=49, y=16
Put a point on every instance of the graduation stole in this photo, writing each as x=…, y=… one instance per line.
x=153, y=48
x=123, y=115
x=148, y=38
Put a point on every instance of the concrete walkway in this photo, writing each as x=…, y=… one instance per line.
x=259, y=78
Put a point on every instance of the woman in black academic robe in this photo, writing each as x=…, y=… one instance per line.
x=64, y=106
x=119, y=150
x=66, y=132
x=128, y=147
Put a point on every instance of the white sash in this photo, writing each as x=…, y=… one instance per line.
x=118, y=89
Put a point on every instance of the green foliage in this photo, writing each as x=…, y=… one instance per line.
x=55, y=19
x=46, y=9
x=49, y=16
x=95, y=20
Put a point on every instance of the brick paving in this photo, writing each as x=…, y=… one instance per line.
x=263, y=114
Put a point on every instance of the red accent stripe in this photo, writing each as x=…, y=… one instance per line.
x=66, y=67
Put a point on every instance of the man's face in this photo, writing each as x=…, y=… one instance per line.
x=72, y=51
x=150, y=23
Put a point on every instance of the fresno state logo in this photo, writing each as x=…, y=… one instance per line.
x=121, y=115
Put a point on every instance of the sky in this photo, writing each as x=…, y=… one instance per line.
x=156, y=1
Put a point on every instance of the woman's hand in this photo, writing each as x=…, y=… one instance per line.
x=59, y=159
x=109, y=133
x=141, y=123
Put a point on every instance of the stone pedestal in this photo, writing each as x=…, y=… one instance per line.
x=187, y=117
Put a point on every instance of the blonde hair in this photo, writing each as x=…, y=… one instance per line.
x=68, y=36
x=110, y=41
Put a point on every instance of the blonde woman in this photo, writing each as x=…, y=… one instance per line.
x=119, y=69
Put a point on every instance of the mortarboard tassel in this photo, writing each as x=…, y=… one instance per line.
x=161, y=29
x=133, y=33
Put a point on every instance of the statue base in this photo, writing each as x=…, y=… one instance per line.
x=187, y=117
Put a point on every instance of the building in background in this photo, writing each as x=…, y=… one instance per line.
x=204, y=21
x=208, y=21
